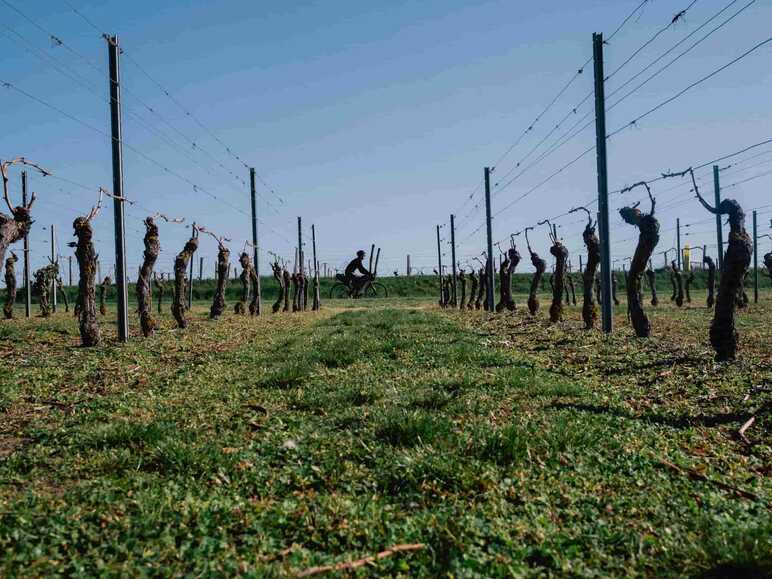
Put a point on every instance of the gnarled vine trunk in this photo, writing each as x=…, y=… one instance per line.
x=462, y=287
x=295, y=292
x=445, y=292
x=317, y=302
x=472, y=290
x=246, y=280
x=10, y=286
x=60, y=289
x=485, y=303
x=44, y=278
x=688, y=286
x=708, y=261
x=13, y=228
x=589, y=279
x=742, y=296
x=106, y=283
x=533, y=298
x=277, y=275
x=648, y=237
x=160, y=287
x=181, y=281
x=768, y=263
x=223, y=265
x=86, y=302
x=286, y=288
x=482, y=286
x=723, y=334
x=143, y=287
x=651, y=276
x=571, y=288
x=560, y=252
x=678, y=284
x=614, y=288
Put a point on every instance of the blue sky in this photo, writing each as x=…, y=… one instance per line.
x=373, y=120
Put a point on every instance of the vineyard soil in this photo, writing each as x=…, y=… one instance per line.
x=504, y=444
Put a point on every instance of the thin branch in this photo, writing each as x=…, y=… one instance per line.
x=648, y=190
x=170, y=219
x=590, y=224
x=552, y=236
x=4, y=170
x=351, y=565
x=219, y=240
x=528, y=243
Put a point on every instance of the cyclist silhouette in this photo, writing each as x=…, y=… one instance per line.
x=349, y=277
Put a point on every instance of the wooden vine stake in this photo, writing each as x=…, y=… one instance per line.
x=648, y=237
x=723, y=333
x=180, y=279
x=15, y=226
x=10, y=286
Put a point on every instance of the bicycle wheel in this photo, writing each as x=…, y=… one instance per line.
x=338, y=292
x=376, y=290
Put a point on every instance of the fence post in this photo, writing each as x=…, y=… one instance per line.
x=117, y=150
x=453, y=255
x=200, y=268
x=719, y=230
x=27, y=286
x=317, y=290
x=255, y=251
x=600, y=147
x=489, y=231
x=54, y=259
x=678, y=243
x=69, y=266
x=755, y=259
x=301, y=257
x=439, y=261
x=190, y=275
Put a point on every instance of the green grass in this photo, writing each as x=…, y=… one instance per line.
x=266, y=446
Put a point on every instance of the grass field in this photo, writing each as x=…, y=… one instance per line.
x=503, y=444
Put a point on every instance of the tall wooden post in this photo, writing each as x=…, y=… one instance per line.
x=719, y=230
x=755, y=258
x=121, y=286
x=54, y=259
x=317, y=289
x=489, y=231
x=453, y=255
x=439, y=261
x=27, y=285
x=255, y=247
x=678, y=243
x=600, y=148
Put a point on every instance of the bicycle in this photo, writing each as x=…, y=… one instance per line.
x=370, y=289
